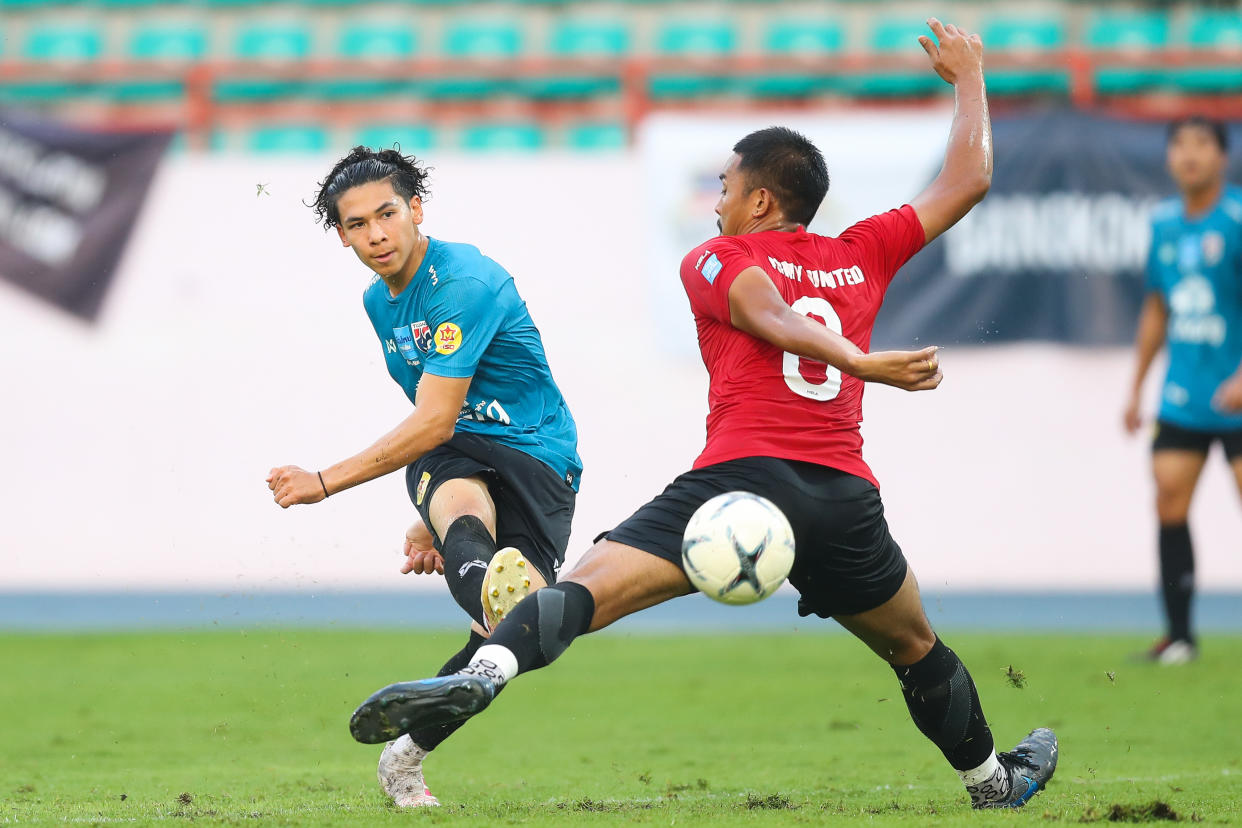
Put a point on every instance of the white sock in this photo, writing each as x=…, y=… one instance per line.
x=974, y=776
x=494, y=662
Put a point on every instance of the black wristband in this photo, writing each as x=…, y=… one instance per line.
x=321, y=483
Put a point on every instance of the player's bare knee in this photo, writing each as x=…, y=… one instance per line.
x=1172, y=505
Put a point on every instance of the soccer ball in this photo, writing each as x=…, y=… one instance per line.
x=738, y=548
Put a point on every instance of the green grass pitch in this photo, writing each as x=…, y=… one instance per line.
x=249, y=727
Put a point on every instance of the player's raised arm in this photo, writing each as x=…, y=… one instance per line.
x=967, y=172
x=433, y=422
x=756, y=307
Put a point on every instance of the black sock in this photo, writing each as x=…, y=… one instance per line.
x=945, y=706
x=1177, y=578
x=428, y=738
x=467, y=549
x=542, y=626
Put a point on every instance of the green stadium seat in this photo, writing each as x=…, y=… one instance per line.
x=1215, y=29
x=254, y=90
x=786, y=85
x=1127, y=31
x=900, y=35
x=273, y=41
x=164, y=42
x=680, y=87
x=796, y=36
x=895, y=37
x=568, y=87
x=358, y=88
x=291, y=139
x=377, y=42
x=460, y=88
x=1023, y=34
x=68, y=42
x=687, y=37
x=589, y=38
x=596, y=136
x=482, y=39
x=411, y=138
x=502, y=137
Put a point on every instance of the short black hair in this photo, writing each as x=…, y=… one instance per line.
x=1214, y=127
x=787, y=164
x=362, y=166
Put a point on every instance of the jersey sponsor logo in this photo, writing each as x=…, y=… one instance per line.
x=421, y=492
x=448, y=338
x=404, y=338
x=710, y=267
x=1194, y=319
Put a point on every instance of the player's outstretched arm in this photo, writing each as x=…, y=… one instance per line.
x=1147, y=342
x=756, y=307
x=436, y=407
x=967, y=172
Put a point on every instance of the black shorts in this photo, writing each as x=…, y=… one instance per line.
x=534, y=505
x=1170, y=437
x=845, y=561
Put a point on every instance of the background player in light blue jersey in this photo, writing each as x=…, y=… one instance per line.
x=490, y=449
x=1194, y=279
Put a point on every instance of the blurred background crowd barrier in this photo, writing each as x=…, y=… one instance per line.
x=147, y=386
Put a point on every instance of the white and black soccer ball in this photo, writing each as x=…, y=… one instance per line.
x=738, y=548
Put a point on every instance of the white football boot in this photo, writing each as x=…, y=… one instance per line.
x=509, y=579
x=400, y=774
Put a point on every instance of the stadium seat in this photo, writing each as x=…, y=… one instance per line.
x=410, y=138
x=1215, y=29
x=68, y=42
x=502, y=137
x=1219, y=31
x=273, y=41
x=682, y=86
x=254, y=90
x=1128, y=32
x=798, y=36
x=281, y=139
x=1019, y=36
x=895, y=37
x=164, y=42
x=1023, y=34
x=685, y=38
x=1137, y=31
x=596, y=136
x=482, y=39
x=589, y=38
x=376, y=41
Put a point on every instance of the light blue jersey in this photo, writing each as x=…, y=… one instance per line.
x=1196, y=266
x=461, y=316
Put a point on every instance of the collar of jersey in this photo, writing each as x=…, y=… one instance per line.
x=419, y=275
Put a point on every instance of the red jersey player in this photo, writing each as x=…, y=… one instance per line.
x=770, y=300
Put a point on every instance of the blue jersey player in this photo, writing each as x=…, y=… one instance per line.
x=489, y=449
x=1194, y=304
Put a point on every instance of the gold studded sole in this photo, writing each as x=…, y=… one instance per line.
x=507, y=581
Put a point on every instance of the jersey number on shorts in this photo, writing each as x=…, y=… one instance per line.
x=806, y=377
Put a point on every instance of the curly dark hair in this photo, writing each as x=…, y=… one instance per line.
x=362, y=166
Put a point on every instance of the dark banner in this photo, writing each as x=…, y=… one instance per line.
x=1057, y=249
x=68, y=201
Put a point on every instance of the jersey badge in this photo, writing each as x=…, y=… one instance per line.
x=422, y=488
x=422, y=335
x=711, y=268
x=1213, y=248
x=448, y=338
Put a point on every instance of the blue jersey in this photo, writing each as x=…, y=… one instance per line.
x=461, y=316
x=1196, y=266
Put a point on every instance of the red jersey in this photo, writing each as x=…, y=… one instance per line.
x=767, y=403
